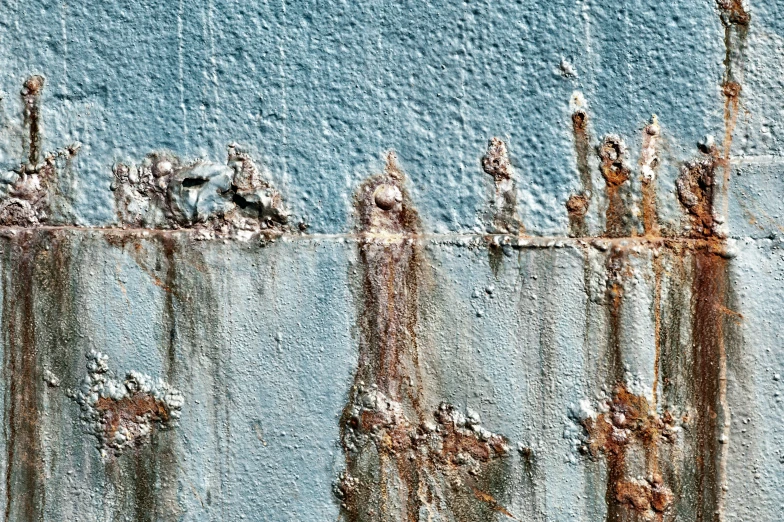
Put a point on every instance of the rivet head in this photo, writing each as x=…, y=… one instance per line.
x=163, y=167
x=387, y=196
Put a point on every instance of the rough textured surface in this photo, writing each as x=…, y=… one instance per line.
x=449, y=261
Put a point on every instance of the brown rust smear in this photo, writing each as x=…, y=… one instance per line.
x=709, y=294
x=577, y=205
x=401, y=459
x=24, y=471
x=31, y=96
x=631, y=422
x=736, y=22
x=497, y=164
x=616, y=174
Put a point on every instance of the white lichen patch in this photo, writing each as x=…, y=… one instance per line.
x=124, y=413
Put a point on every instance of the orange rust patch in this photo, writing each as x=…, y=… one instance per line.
x=733, y=12
x=126, y=412
x=644, y=496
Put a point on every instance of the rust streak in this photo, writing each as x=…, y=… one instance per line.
x=31, y=94
x=709, y=379
x=24, y=473
x=616, y=175
x=577, y=205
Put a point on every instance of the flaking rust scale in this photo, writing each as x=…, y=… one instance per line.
x=405, y=462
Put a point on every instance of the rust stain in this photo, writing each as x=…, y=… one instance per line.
x=736, y=21
x=631, y=422
x=123, y=414
x=484, y=497
x=402, y=458
x=577, y=205
x=24, y=472
x=577, y=208
x=616, y=173
x=733, y=12
x=709, y=295
x=617, y=270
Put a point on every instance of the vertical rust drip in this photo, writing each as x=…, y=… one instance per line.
x=617, y=270
x=31, y=96
x=649, y=161
x=169, y=246
x=709, y=295
x=392, y=263
x=658, y=275
x=24, y=471
x=577, y=205
x=736, y=22
x=616, y=175
x=404, y=463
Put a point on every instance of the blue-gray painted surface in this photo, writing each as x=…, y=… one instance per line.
x=205, y=223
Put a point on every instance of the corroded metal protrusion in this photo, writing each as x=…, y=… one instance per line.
x=630, y=424
x=696, y=192
x=164, y=192
x=612, y=153
x=497, y=164
x=123, y=414
x=404, y=461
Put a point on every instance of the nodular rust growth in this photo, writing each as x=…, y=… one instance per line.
x=577, y=205
x=232, y=199
x=616, y=173
x=402, y=461
x=629, y=423
x=497, y=164
x=26, y=192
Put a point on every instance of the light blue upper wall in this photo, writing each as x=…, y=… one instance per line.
x=319, y=90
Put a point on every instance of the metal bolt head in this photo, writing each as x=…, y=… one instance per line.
x=387, y=196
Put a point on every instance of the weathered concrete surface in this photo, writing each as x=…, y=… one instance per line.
x=557, y=300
